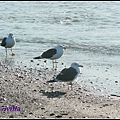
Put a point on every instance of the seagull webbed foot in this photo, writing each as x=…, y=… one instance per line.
x=13, y=54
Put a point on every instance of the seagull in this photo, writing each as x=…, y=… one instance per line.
x=52, y=54
x=68, y=74
x=8, y=42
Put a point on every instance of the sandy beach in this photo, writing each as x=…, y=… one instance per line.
x=25, y=93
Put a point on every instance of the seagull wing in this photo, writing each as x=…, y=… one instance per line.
x=4, y=41
x=49, y=53
x=61, y=73
x=67, y=74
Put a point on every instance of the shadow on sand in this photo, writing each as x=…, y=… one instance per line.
x=53, y=94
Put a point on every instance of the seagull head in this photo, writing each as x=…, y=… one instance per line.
x=60, y=46
x=10, y=35
x=76, y=65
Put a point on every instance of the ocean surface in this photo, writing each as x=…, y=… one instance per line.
x=89, y=30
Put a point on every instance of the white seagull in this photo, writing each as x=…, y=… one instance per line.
x=8, y=42
x=68, y=74
x=52, y=54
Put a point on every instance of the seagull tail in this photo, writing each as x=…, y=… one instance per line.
x=51, y=81
x=39, y=57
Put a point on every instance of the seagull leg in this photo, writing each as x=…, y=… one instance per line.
x=53, y=64
x=45, y=63
x=6, y=52
x=53, y=67
x=56, y=65
x=12, y=53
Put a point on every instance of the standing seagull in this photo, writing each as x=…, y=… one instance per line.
x=52, y=54
x=8, y=42
x=68, y=74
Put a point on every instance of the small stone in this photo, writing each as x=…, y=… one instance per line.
x=58, y=116
x=116, y=81
x=11, y=116
x=42, y=108
x=31, y=61
x=30, y=113
x=45, y=61
x=52, y=114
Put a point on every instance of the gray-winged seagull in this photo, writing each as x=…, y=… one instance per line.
x=52, y=54
x=68, y=74
x=8, y=42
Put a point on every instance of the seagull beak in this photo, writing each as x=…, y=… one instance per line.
x=80, y=65
x=64, y=48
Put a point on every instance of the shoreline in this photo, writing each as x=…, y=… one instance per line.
x=36, y=98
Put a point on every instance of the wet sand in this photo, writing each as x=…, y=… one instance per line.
x=28, y=90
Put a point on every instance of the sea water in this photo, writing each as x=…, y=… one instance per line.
x=89, y=30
